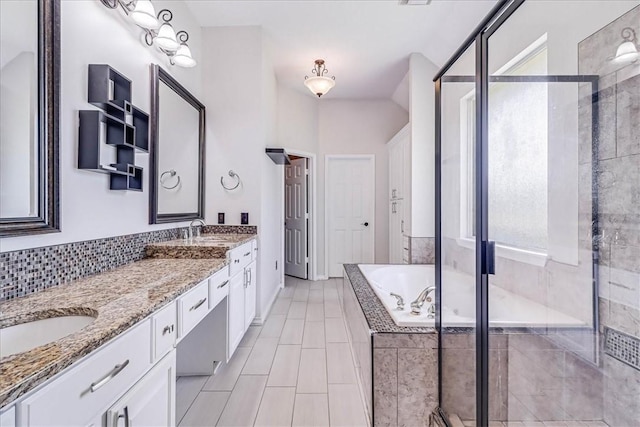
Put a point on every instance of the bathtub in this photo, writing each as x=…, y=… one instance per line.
x=506, y=309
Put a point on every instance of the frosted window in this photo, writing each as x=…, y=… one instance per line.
x=518, y=138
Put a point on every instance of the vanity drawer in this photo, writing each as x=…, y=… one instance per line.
x=218, y=287
x=87, y=389
x=164, y=330
x=192, y=307
x=239, y=258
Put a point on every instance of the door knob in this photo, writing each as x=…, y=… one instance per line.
x=366, y=224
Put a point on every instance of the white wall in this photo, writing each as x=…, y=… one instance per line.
x=93, y=34
x=359, y=127
x=240, y=94
x=422, y=112
x=297, y=120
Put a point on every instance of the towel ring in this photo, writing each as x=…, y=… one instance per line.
x=232, y=174
x=171, y=173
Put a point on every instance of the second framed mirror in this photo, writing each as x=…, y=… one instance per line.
x=177, y=138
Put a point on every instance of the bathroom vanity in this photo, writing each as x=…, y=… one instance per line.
x=177, y=312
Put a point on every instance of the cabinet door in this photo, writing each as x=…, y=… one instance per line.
x=406, y=183
x=236, y=312
x=250, y=294
x=8, y=418
x=395, y=170
x=151, y=401
x=395, y=232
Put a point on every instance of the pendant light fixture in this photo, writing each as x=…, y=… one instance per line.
x=627, y=52
x=319, y=84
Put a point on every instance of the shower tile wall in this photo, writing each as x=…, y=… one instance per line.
x=619, y=217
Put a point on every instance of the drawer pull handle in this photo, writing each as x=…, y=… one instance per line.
x=223, y=284
x=198, y=304
x=236, y=261
x=167, y=329
x=248, y=253
x=115, y=371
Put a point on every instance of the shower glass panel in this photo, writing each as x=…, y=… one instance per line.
x=563, y=204
x=457, y=251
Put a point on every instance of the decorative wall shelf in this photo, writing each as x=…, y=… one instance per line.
x=108, y=139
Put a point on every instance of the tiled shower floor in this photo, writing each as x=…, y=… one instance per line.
x=296, y=370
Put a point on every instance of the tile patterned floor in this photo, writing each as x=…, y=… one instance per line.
x=295, y=370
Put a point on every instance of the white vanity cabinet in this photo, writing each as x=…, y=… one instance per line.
x=151, y=401
x=250, y=294
x=84, y=392
x=192, y=307
x=8, y=418
x=242, y=292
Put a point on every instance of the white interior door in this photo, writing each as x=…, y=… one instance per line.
x=296, y=214
x=350, y=211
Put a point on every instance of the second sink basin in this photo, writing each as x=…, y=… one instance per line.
x=26, y=336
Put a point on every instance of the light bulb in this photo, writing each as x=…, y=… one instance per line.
x=183, y=57
x=166, y=38
x=144, y=14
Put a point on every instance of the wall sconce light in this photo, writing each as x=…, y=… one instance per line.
x=319, y=84
x=162, y=34
x=627, y=52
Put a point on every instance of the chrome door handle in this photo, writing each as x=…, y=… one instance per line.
x=198, y=304
x=402, y=226
x=167, y=329
x=248, y=253
x=102, y=381
x=223, y=284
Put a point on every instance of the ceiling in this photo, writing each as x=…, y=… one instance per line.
x=366, y=43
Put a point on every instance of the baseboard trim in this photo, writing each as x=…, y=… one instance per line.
x=320, y=278
x=259, y=321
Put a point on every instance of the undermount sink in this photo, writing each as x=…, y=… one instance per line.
x=26, y=336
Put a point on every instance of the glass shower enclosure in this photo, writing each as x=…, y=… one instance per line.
x=538, y=217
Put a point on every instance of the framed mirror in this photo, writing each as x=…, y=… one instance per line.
x=29, y=101
x=177, y=138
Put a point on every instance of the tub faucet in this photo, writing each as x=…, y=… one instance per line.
x=399, y=301
x=416, y=305
x=197, y=220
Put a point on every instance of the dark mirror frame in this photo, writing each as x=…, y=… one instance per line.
x=159, y=75
x=48, y=219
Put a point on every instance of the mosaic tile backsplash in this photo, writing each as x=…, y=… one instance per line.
x=27, y=271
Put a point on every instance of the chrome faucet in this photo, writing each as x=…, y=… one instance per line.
x=399, y=301
x=191, y=226
x=416, y=305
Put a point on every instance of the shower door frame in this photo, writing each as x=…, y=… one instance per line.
x=484, y=248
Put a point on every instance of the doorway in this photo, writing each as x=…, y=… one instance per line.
x=296, y=217
x=350, y=211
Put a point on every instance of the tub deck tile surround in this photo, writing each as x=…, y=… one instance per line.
x=402, y=360
x=377, y=316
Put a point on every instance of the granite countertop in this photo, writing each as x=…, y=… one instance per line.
x=376, y=314
x=206, y=246
x=118, y=299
